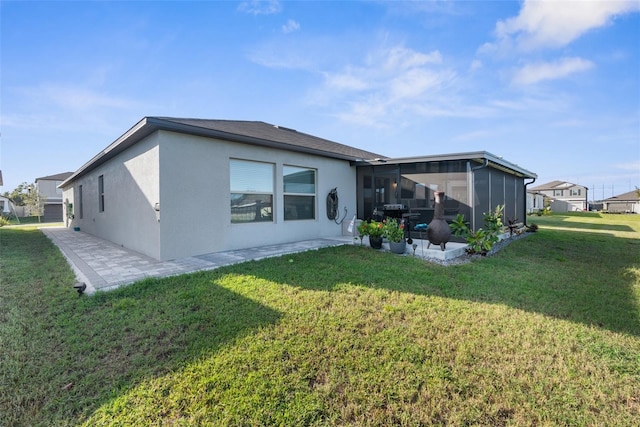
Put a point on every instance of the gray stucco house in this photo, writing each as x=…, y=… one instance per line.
x=628, y=202
x=564, y=196
x=48, y=189
x=171, y=187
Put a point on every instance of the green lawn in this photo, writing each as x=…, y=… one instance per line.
x=546, y=332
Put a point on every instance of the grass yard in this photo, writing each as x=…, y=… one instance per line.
x=546, y=332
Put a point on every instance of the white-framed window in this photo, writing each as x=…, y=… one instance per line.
x=299, y=188
x=575, y=192
x=101, y=193
x=251, y=191
x=558, y=193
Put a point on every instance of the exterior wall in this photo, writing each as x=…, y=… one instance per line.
x=622, y=206
x=564, y=201
x=5, y=205
x=535, y=202
x=195, y=212
x=48, y=188
x=53, y=199
x=131, y=189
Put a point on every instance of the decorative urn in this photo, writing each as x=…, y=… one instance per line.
x=438, y=231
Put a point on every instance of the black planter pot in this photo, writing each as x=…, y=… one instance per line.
x=375, y=242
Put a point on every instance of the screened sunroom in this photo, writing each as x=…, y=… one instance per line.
x=473, y=183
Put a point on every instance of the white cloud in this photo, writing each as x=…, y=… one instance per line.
x=631, y=166
x=345, y=81
x=72, y=108
x=391, y=82
x=570, y=123
x=415, y=82
x=401, y=58
x=475, y=135
x=290, y=26
x=260, y=7
x=285, y=55
x=366, y=113
x=75, y=98
x=533, y=73
x=475, y=65
x=557, y=23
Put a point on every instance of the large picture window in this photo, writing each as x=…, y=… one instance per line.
x=251, y=191
x=299, y=193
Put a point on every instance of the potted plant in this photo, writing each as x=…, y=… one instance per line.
x=374, y=230
x=394, y=233
x=363, y=230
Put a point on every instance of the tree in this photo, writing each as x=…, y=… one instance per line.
x=27, y=195
x=18, y=195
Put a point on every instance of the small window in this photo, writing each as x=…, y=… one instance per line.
x=299, y=193
x=575, y=192
x=251, y=191
x=557, y=193
x=80, y=210
x=101, y=193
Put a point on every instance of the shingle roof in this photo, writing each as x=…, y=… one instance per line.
x=626, y=197
x=247, y=132
x=57, y=177
x=553, y=185
x=278, y=134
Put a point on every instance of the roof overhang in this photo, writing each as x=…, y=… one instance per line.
x=480, y=157
x=149, y=125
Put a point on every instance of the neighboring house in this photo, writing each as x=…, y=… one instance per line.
x=173, y=188
x=564, y=196
x=5, y=205
x=535, y=201
x=47, y=187
x=623, y=203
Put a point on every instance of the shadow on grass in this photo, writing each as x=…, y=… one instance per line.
x=95, y=348
x=567, y=223
x=589, y=278
x=160, y=325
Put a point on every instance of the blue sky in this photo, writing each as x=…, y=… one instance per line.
x=551, y=86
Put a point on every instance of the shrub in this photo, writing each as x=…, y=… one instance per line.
x=371, y=228
x=459, y=227
x=393, y=230
x=481, y=240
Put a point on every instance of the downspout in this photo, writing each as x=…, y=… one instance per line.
x=525, y=200
x=473, y=190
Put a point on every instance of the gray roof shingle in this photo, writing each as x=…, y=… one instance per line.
x=247, y=132
x=277, y=134
x=57, y=177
